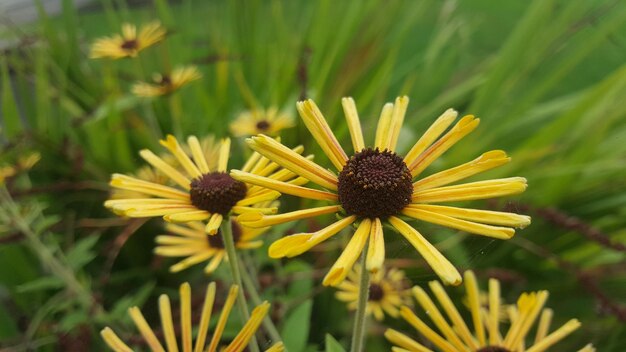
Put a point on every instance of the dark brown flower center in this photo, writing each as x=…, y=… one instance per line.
x=376, y=293
x=262, y=125
x=216, y=192
x=165, y=80
x=492, y=349
x=216, y=241
x=130, y=44
x=375, y=184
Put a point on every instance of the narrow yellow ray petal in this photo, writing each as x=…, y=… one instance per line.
x=205, y=318
x=221, y=323
x=165, y=211
x=214, y=224
x=514, y=339
x=471, y=287
x=171, y=143
x=195, y=215
x=240, y=210
x=481, y=216
x=283, y=187
x=465, y=125
x=252, y=325
x=195, y=232
x=222, y=163
x=493, y=320
x=350, y=254
x=185, y=316
x=503, y=233
x=472, y=191
x=432, y=133
x=145, y=201
x=297, y=244
x=277, y=347
x=190, y=261
x=382, y=130
x=252, y=160
x=354, y=124
x=442, y=266
x=453, y=314
x=198, y=154
x=544, y=324
x=376, y=249
x=145, y=329
x=178, y=240
x=259, y=198
x=433, y=313
x=114, y=342
x=167, y=324
x=397, y=119
x=425, y=330
x=149, y=188
x=162, y=166
x=295, y=162
x=215, y=262
x=486, y=161
x=317, y=125
x=556, y=336
x=256, y=220
x=587, y=348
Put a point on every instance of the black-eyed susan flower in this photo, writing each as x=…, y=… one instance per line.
x=376, y=185
x=164, y=84
x=487, y=334
x=200, y=192
x=202, y=342
x=269, y=122
x=129, y=43
x=387, y=292
x=189, y=241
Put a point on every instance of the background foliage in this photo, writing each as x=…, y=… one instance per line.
x=546, y=77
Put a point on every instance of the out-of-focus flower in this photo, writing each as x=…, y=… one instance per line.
x=129, y=43
x=257, y=121
x=164, y=84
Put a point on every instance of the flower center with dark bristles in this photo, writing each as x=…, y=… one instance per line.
x=130, y=44
x=376, y=293
x=492, y=349
x=375, y=184
x=262, y=125
x=165, y=80
x=216, y=192
x=216, y=241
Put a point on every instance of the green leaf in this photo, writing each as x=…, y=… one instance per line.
x=44, y=283
x=295, y=330
x=333, y=345
x=82, y=252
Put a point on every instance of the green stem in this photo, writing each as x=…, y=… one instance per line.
x=360, y=318
x=268, y=324
x=233, y=261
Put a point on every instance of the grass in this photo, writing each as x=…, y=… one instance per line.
x=547, y=79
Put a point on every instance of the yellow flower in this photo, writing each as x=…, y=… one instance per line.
x=375, y=185
x=24, y=163
x=253, y=122
x=200, y=192
x=186, y=331
x=190, y=241
x=167, y=83
x=455, y=335
x=387, y=292
x=129, y=44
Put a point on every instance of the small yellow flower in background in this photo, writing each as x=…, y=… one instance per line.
x=387, y=292
x=376, y=185
x=24, y=163
x=239, y=343
x=190, y=241
x=201, y=192
x=269, y=122
x=455, y=335
x=164, y=84
x=129, y=44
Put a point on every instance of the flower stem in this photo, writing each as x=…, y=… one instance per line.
x=360, y=318
x=268, y=324
x=233, y=261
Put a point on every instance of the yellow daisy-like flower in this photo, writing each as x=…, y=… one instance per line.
x=190, y=241
x=164, y=84
x=376, y=185
x=186, y=331
x=129, y=44
x=201, y=192
x=455, y=335
x=387, y=292
x=253, y=122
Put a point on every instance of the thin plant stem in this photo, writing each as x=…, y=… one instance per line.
x=268, y=324
x=360, y=318
x=176, y=112
x=233, y=262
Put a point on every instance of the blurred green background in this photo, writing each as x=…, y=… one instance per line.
x=546, y=77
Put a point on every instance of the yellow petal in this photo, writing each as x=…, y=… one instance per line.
x=350, y=254
x=384, y=125
x=407, y=343
x=354, y=125
x=162, y=166
x=425, y=330
x=431, y=134
x=114, y=342
x=256, y=220
x=556, y=336
x=376, y=249
x=205, y=317
x=171, y=143
x=481, y=216
x=195, y=215
x=282, y=187
x=472, y=191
